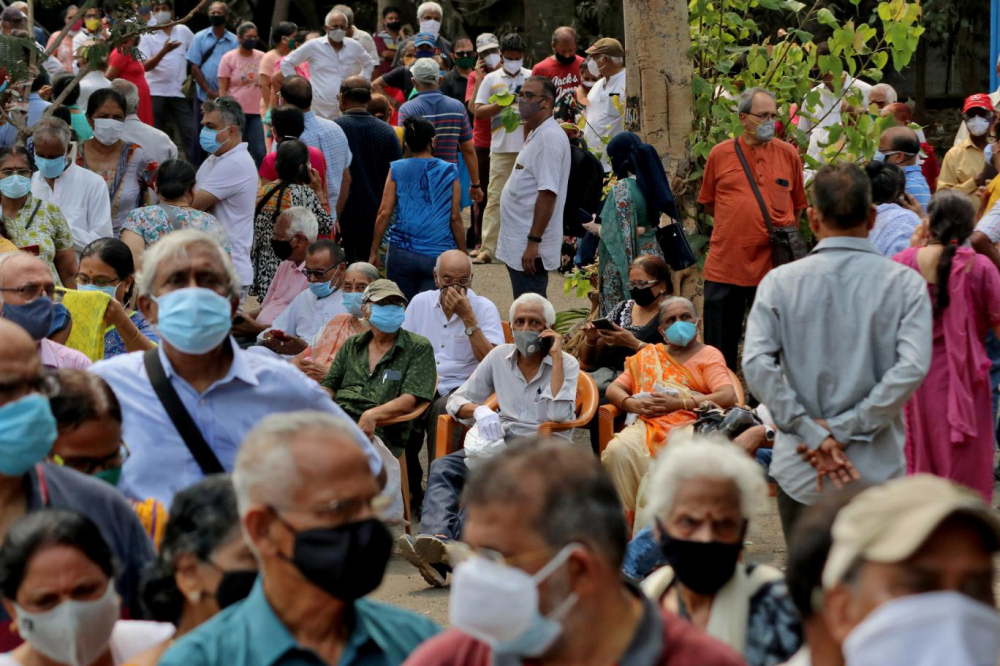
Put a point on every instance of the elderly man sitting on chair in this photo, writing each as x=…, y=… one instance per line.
x=534, y=382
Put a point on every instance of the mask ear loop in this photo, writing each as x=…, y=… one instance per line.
x=567, y=604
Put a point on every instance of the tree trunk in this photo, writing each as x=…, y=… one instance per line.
x=280, y=12
x=659, y=102
x=540, y=20
x=920, y=75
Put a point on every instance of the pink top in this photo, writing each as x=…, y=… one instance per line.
x=242, y=74
x=56, y=356
x=316, y=159
x=288, y=283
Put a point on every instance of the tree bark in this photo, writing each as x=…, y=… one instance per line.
x=280, y=12
x=540, y=20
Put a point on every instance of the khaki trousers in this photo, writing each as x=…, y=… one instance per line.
x=501, y=164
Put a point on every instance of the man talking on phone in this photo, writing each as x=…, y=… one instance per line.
x=535, y=382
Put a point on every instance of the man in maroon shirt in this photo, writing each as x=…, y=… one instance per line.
x=563, y=66
x=546, y=510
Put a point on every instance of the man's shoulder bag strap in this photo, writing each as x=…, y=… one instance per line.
x=756, y=190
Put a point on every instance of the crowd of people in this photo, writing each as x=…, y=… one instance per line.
x=236, y=291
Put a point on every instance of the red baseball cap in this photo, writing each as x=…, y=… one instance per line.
x=978, y=101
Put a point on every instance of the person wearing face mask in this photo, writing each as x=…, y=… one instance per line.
x=81, y=195
x=92, y=30
x=238, y=78
x=331, y=60
x=488, y=51
x=900, y=145
x=284, y=40
x=703, y=494
x=563, y=66
x=897, y=217
x=385, y=372
x=121, y=64
x=203, y=564
x=63, y=50
x=964, y=167
x=537, y=580
x=741, y=249
x=534, y=382
x=28, y=430
x=606, y=99
x=125, y=167
x=389, y=39
x=175, y=183
x=429, y=15
x=398, y=83
x=106, y=265
x=204, y=56
x=316, y=359
x=663, y=384
x=166, y=52
x=909, y=578
x=321, y=550
x=455, y=83
x=311, y=310
x=357, y=34
x=189, y=291
x=58, y=583
x=587, y=81
x=507, y=78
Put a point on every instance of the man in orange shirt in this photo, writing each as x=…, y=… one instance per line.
x=740, y=253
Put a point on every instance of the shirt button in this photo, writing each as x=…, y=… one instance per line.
x=202, y=402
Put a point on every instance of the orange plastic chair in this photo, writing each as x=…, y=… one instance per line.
x=508, y=333
x=404, y=479
x=587, y=400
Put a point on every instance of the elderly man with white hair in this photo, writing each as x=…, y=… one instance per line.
x=430, y=16
x=534, y=382
x=882, y=95
x=154, y=142
x=331, y=60
x=305, y=494
x=703, y=493
x=187, y=405
x=80, y=194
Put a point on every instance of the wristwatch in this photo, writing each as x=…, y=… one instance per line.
x=769, y=433
x=471, y=330
x=534, y=239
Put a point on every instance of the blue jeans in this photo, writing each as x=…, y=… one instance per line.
x=642, y=555
x=586, y=250
x=413, y=273
x=441, y=512
x=522, y=283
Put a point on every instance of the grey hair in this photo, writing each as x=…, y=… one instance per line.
x=688, y=457
x=7, y=256
x=229, y=110
x=330, y=14
x=347, y=12
x=175, y=244
x=130, y=92
x=667, y=302
x=265, y=471
x=437, y=264
x=429, y=5
x=534, y=299
x=53, y=127
x=303, y=221
x=367, y=270
x=617, y=60
x=745, y=101
x=890, y=92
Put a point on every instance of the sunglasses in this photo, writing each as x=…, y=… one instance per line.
x=465, y=54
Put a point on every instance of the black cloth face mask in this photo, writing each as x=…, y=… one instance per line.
x=565, y=60
x=701, y=566
x=643, y=296
x=282, y=248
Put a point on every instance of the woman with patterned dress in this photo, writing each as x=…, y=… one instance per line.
x=297, y=185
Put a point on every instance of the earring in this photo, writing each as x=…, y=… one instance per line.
x=196, y=597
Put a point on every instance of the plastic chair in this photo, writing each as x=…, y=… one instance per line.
x=508, y=332
x=587, y=400
x=404, y=479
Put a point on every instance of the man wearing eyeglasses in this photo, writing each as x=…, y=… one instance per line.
x=310, y=311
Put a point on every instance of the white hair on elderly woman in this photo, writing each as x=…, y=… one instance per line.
x=176, y=244
x=534, y=299
x=687, y=457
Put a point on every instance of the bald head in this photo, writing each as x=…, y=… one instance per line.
x=18, y=269
x=18, y=358
x=453, y=267
x=355, y=93
x=298, y=92
x=900, y=145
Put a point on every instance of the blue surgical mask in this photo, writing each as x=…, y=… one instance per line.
x=35, y=317
x=193, y=320
x=352, y=301
x=50, y=167
x=765, y=131
x=208, y=139
x=879, y=156
x=109, y=290
x=387, y=318
x=321, y=289
x=27, y=432
x=681, y=333
x=15, y=187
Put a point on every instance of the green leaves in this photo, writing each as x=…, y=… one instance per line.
x=510, y=119
x=502, y=98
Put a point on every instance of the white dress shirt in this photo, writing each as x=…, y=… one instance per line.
x=496, y=82
x=166, y=79
x=306, y=315
x=82, y=196
x=155, y=143
x=826, y=114
x=91, y=82
x=232, y=179
x=452, y=347
x=366, y=41
x=327, y=68
x=543, y=165
x=603, y=117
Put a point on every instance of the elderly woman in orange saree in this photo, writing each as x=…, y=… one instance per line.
x=661, y=387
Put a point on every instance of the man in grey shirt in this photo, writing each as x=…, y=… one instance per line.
x=836, y=343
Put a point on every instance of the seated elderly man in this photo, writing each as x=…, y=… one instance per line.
x=662, y=385
x=308, y=313
x=534, y=382
x=539, y=580
x=384, y=372
x=187, y=405
x=27, y=298
x=294, y=231
x=463, y=328
x=304, y=492
x=703, y=493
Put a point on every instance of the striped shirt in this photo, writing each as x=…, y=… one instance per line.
x=327, y=137
x=450, y=119
x=916, y=185
x=894, y=225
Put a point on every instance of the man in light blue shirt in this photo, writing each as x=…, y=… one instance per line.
x=205, y=55
x=36, y=107
x=189, y=292
x=901, y=146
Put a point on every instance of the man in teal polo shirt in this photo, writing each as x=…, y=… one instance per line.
x=305, y=494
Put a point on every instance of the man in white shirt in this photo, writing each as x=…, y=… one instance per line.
x=93, y=80
x=819, y=118
x=81, y=195
x=504, y=145
x=154, y=142
x=607, y=97
x=356, y=33
x=531, y=205
x=331, y=60
x=165, y=52
x=92, y=30
x=227, y=181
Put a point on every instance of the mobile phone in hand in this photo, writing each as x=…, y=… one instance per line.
x=603, y=324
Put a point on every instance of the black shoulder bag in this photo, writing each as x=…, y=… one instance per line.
x=787, y=243
x=186, y=427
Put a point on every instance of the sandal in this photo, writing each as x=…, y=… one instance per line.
x=483, y=258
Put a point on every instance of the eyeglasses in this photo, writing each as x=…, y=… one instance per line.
x=763, y=117
x=317, y=273
x=30, y=292
x=530, y=96
x=43, y=383
x=339, y=511
x=645, y=284
x=92, y=465
x=7, y=173
x=465, y=54
x=459, y=552
x=448, y=282
x=97, y=281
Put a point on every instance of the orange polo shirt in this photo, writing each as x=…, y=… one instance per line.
x=740, y=253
